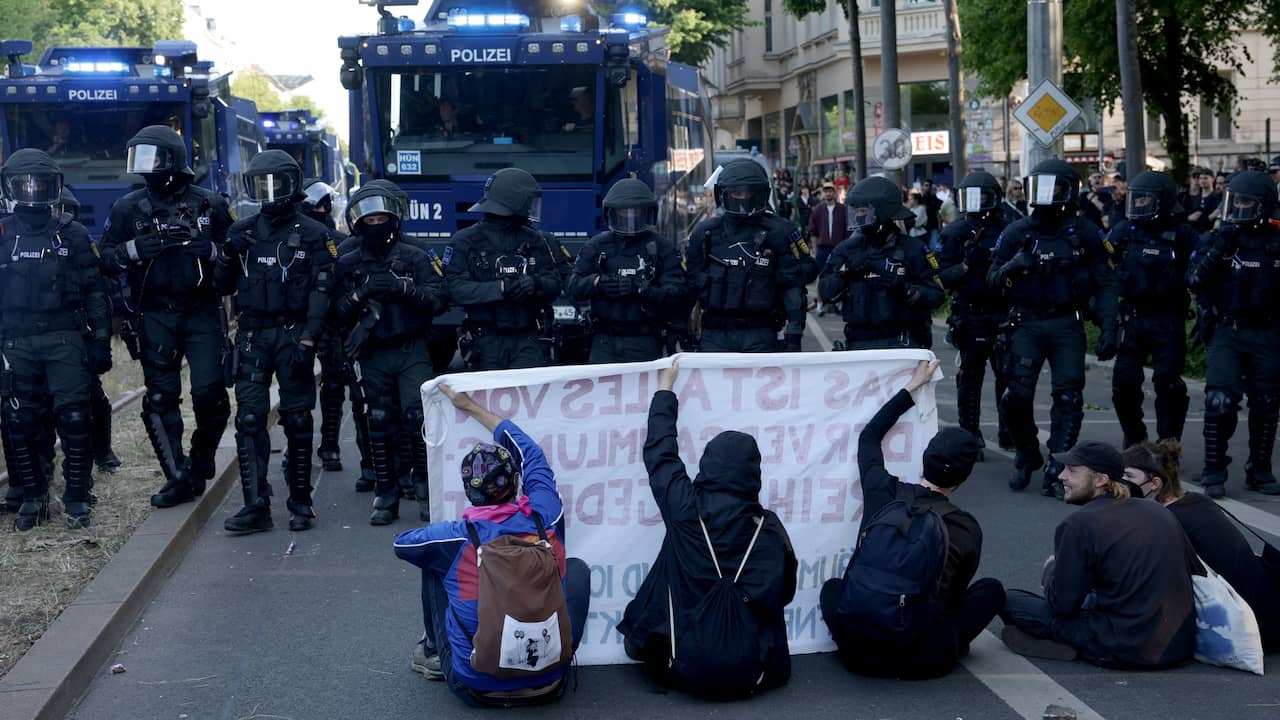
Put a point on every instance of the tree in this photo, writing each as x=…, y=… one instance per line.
x=955, y=87
x=1182, y=47
x=304, y=102
x=256, y=87
x=801, y=8
x=698, y=26
x=90, y=22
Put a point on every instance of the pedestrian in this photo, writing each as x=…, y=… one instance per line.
x=716, y=531
x=1203, y=209
x=748, y=268
x=1151, y=250
x=1117, y=589
x=52, y=297
x=512, y=491
x=279, y=264
x=388, y=293
x=1015, y=205
x=828, y=225
x=504, y=275
x=977, y=309
x=1054, y=269
x=631, y=278
x=164, y=239
x=866, y=619
x=1237, y=282
x=884, y=279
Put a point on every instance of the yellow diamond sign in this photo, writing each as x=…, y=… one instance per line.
x=1047, y=112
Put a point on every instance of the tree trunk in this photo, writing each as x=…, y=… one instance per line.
x=1135, y=140
x=892, y=102
x=1168, y=97
x=859, y=94
x=955, y=81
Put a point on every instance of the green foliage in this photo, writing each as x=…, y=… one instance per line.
x=995, y=43
x=698, y=26
x=803, y=8
x=137, y=23
x=304, y=102
x=256, y=87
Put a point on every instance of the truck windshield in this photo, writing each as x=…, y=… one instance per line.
x=474, y=121
x=88, y=141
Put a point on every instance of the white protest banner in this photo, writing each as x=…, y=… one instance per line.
x=805, y=410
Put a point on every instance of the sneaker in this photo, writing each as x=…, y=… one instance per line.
x=427, y=665
x=1027, y=645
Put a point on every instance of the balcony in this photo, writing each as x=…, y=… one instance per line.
x=921, y=27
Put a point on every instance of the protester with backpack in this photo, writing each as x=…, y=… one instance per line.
x=502, y=632
x=904, y=607
x=708, y=617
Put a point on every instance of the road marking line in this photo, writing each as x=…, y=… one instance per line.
x=1018, y=682
x=819, y=333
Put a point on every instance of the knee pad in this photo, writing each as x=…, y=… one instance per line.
x=379, y=419
x=161, y=403
x=1265, y=404
x=1220, y=402
x=1072, y=399
x=296, y=423
x=1166, y=385
x=74, y=416
x=22, y=420
x=412, y=416
x=250, y=423
x=211, y=403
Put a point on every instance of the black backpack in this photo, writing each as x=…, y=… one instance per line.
x=718, y=655
x=891, y=587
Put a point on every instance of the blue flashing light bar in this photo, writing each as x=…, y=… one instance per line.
x=462, y=19
x=571, y=24
x=99, y=68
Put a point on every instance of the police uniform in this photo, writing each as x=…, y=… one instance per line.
x=887, y=291
x=1151, y=266
x=279, y=264
x=1054, y=269
x=389, y=293
x=164, y=239
x=1236, y=277
x=51, y=295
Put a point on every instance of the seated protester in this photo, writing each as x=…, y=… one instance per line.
x=958, y=612
x=748, y=547
x=455, y=606
x=1117, y=590
x=1153, y=470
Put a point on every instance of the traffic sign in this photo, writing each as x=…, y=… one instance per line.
x=892, y=149
x=1047, y=112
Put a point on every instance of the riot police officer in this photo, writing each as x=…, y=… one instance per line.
x=280, y=265
x=51, y=297
x=317, y=203
x=977, y=310
x=1152, y=250
x=504, y=274
x=1235, y=274
x=886, y=278
x=389, y=292
x=164, y=239
x=748, y=267
x=631, y=277
x=1054, y=269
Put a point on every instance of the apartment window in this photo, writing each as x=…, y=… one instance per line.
x=768, y=26
x=1215, y=123
x=926, y=105
x=830, y=125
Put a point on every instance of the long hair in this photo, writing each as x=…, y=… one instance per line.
x=1160, y=460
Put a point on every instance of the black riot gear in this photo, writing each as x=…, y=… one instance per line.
x=1151, y=196
x=742, y=189
x=317, y=200
x=374, y=215
x=873, y=205
x=1052, y=184
x=513, y=193
x=274, y=180
x=159, y=155
x=1250, y=199
x=31, y=179
x=630, y=207
x=978, y=194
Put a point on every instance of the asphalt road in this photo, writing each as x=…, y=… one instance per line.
x=321, y=624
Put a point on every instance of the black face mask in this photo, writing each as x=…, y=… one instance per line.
x=278, y=209
x=163, y=184
x=33, y=217
x=377, y=238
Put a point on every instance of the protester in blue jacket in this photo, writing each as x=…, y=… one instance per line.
x=493, y=477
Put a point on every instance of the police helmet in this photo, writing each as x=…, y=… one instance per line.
x=978, y=192
x=873, y=202
x=273, y=179
x=630, y=207
x=1151, y=195
x=378, y=197
x=1250, y=198
x=511, y=192
x=742, y=188
x=32, y=179
x=157, y=150
x=1052, y=182
x=68, y=203
x=317, y=196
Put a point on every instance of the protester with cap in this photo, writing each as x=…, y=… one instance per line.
x=828, y=224
x=963, y=610
x=1117, y=590
x=512, y=491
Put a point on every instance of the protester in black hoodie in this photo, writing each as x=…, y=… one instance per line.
x=725, y=496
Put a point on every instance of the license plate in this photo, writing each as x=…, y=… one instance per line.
x=565, y=312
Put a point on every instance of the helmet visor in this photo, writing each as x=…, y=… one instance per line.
x=535, y=209
x=862, y=216
x=1048, y=190
x=271, y=187
x=317, y=193
x=977, y=199
x=742, y=200
x=143, y=159
x=34, y=189
x=1240, y=208
x=632, y=221
x=1141, y=205
x=372, y=205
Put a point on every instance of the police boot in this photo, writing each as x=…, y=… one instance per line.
x=1262, y=439
x=12, y=496
x=420, y=492
x=33, y=512
x=969, y=406
x=1172, y=403
x=177, y=487
x=1051, y=486
x=386, y=503
x=366, y=481
x=298, y=436
x=1025, y=463
x=1127, y=400
x=1220, y=417
x=100, y=432
x=255, y=516
x=77, y=464
x=330, y=424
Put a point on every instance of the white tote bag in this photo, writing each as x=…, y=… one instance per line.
x=1227, y=632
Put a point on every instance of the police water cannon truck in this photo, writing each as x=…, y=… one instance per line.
x=82, y=104
x=579, y=100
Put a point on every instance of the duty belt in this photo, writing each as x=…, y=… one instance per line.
x=167, y=303
x=254, y=321
x=716, y=321
x=1236, y=322
x=626, y=329
x=1051, y=313
x=26, y=327
x=482, y=329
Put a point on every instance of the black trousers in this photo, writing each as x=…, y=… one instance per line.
x=934, y=654
x=494, y=351
x=755, y=340
x=1061, y=341
x=1164, y=340
x=1241, y=361
x=263, y=354
x=625, y=348
x=1030, y=613
x=974, y=336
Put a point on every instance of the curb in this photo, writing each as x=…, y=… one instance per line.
x=55, y=672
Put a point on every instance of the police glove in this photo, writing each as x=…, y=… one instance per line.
x=615, y=286
x=302, y=362
x=976, y=256
x=792, y=343
x=376, y=285
x=100, y=356
x=520, y=287
x=201, y=247
x=1106, y=349
x=1225, y=241
x=143, y=247
x=1023, y=260
x=239, y=243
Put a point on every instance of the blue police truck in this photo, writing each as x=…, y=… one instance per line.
x=82, y=104
x=578, y=100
